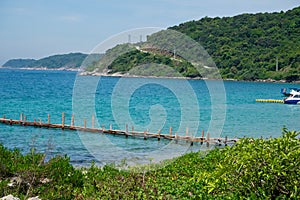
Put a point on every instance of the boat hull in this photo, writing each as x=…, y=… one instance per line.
x=292, y=101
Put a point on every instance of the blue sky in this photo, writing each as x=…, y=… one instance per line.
x=39, y=28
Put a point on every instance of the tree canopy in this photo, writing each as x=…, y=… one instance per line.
x=248, y=46
x=243, y=47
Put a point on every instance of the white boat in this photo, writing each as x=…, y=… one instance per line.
x=289, y=92
x=294, y=98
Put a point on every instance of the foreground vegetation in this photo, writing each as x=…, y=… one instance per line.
x=253, y=168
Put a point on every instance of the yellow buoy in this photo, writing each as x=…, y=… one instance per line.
x=269, y=100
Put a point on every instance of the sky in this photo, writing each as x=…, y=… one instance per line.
x=40, y=28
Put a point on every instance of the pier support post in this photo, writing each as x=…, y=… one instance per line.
x=187, y=133
x=21, y=118
x=207, y=139
x=72, y=121
x=126, y=131
x=93, y=121
x=158, y=135
x=225, y=142
x=48, y=118
x=202, y=137
x=24, y=120
x=171, y=131
x=40, y=122
x=62, y=120
x=220, y=141
x=110, y=127
x=145, y=137
x=84, y=123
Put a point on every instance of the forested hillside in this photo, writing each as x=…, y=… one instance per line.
x=244, y=47
x=247, y=46
x=18, y=63
x=72, y=60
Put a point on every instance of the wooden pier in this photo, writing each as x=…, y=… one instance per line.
x=188, y=137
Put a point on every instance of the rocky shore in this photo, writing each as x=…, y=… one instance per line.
x=269, y=80
x=118, y=74
x=43, y=69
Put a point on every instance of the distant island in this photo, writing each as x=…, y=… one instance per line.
x=251, y=47
x=71, y=61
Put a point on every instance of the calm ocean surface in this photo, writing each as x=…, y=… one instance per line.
x=151, y=104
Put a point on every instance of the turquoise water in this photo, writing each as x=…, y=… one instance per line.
x=151, y=104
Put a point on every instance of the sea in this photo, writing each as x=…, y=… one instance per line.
x=222, y=108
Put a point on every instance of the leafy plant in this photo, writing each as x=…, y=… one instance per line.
x=259, y=168
x=251, y=169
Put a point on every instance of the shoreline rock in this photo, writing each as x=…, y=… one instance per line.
x=118, y=74
x=43, y=69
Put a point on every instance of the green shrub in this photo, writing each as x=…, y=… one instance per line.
x=251, y=169
x=264, y=169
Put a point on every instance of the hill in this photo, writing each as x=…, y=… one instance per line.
x=124, y=59
x=18, y=63
x=67, y=61
x=244, y=47
x=247, y=46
